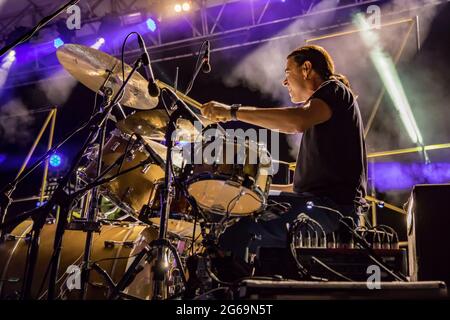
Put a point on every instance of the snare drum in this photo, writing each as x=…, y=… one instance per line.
x=233, y=178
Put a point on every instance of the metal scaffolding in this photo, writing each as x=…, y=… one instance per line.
x=209, y=19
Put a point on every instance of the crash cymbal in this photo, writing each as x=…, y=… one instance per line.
x=91, y=66
x=152, y=124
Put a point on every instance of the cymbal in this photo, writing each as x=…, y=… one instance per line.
x=152, y=124
x=91, y=66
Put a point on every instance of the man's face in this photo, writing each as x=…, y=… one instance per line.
x=295, y=81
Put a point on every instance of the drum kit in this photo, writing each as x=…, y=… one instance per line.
x=174, y=209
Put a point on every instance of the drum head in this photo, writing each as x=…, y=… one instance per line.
x=218, y=196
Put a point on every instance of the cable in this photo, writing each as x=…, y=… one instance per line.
x=302, y=219
x=331, y=270
x=394, y=233
x=205, y=294
x=363, y=243
x=235, y=200
x=123, y=52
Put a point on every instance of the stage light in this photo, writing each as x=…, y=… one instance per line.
x=100, y=42
x=309, y=205
x=390, y=78
x=6, y=65
x=58, y=42
x=55, y=160
x=151, y=24
x=8, y=59
x=11, y=55
x=178, y=7
x=186, y=6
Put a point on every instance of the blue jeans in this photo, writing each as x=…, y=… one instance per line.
x=247, y=235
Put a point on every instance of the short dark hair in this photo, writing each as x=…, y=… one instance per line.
x=321, y=62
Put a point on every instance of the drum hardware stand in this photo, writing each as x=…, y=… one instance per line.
x=91, y=224
x=162, y=244
x=167, y=195
x=148, y=252
x=61, y=198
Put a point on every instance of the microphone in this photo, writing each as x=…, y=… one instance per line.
x=155, y=157
x=206, y=67
x=153, y=89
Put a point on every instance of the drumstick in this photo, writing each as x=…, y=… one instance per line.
x=184, y=97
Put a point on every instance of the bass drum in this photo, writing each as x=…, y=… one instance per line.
x=115, y=245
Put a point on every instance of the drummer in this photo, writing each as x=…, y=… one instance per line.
x=331, y=164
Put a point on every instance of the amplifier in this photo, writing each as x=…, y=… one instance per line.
x=308, y=290
x=428, y=233
x=352, y=263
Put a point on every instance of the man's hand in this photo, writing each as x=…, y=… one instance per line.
x=216, y=111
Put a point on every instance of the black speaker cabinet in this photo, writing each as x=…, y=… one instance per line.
x=429, y=233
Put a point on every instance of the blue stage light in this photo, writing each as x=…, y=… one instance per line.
x=55, y=160
x=58, y=42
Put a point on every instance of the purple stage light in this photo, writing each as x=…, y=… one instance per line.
x=100, y=42
x=151, y=24
x=390, y=176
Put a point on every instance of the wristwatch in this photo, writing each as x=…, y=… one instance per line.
x=233, y=110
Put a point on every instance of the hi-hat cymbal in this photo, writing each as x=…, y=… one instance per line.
x=91, y=66
x=152, y=124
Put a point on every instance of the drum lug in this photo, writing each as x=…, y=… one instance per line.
x=131, y=155
x=10, y=237
x=115, y=146
x=145, y=169
x=126, y=244
x=84, y=225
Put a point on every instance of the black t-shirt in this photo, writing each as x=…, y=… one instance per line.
x=332, y=158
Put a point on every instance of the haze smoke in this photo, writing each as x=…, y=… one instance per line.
x=15, y=123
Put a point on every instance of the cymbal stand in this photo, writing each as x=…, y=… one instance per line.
x=91, y=223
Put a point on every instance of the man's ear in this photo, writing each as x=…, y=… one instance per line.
x=306, y=69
